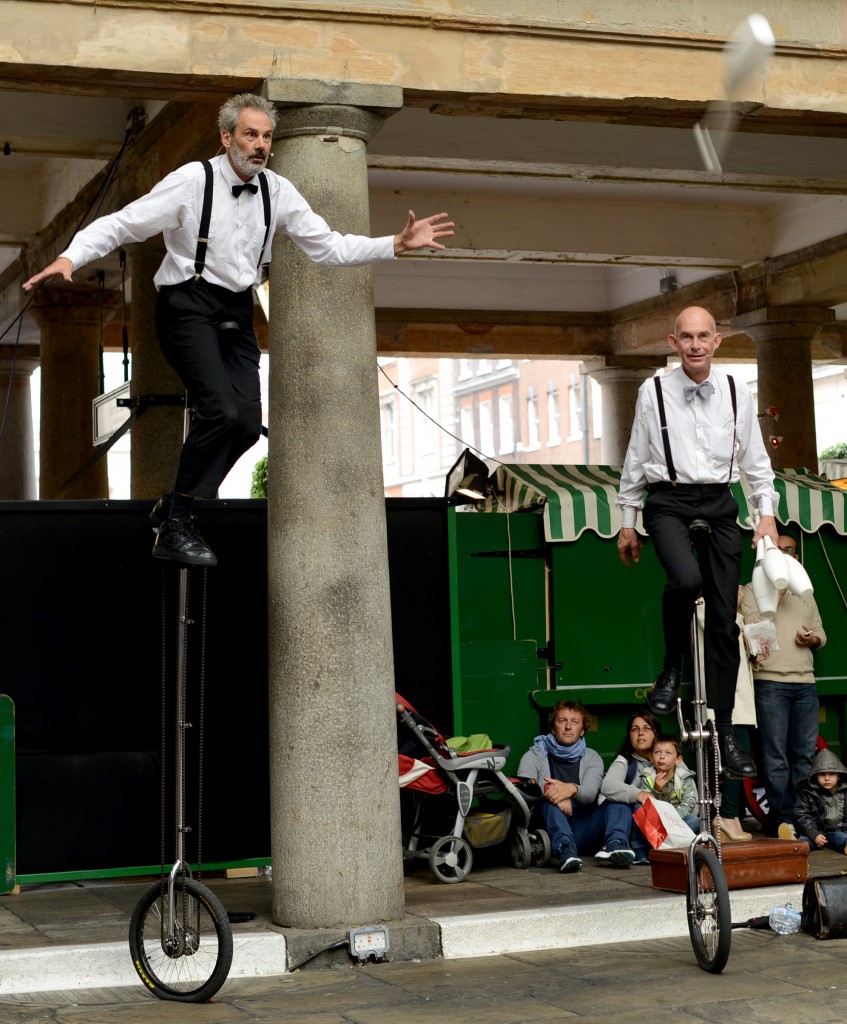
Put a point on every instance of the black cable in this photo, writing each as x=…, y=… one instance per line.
x=317, y=952
x=440, y=426
x=18, y=319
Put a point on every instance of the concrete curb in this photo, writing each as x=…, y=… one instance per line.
x=265, y=954
x=108, y=964
x=592, y=924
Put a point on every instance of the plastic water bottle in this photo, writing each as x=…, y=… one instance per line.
x=784, y=920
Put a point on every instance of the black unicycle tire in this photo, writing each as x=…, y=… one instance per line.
x=709, y=922
x=189, y=977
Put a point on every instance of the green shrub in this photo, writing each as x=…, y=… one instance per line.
x=259, y=484
x=836, y=451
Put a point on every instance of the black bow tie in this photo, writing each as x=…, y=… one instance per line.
x=238, y=189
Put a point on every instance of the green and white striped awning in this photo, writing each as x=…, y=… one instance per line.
x=579, y=498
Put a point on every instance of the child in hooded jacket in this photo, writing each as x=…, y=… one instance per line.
x=820, y=808
x=668, y=778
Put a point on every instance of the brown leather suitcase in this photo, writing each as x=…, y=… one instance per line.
x=746, y=865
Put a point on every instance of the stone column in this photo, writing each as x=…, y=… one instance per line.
x=17, y=448
x=334, y=797
x=783, y=337
x=157, y=435
x=70, y=321
x=619, y=379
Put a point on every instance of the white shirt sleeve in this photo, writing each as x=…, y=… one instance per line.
x=162, y=208
x=633, y=475
x=753, y=456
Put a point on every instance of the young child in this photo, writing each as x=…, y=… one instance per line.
x=667, y=778
x=820, y=809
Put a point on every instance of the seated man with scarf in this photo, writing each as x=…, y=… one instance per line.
x=570, y=774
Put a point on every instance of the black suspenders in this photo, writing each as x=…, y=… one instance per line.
x=206, y=219
x=664, y=426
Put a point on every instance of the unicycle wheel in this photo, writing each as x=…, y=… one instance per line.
x=193, y=963
x=709, y=922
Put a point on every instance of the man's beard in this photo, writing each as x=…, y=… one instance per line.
x=241, y=161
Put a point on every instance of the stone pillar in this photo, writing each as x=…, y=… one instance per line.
x=783, y=337
x=70, y=320
x=17, y=448
x=157, y=435
x=619, y=379
x=335, y=821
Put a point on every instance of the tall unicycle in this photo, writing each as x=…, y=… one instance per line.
x=707, y=895
x=180, y=937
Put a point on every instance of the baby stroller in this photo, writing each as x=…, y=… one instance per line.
x=458, y=802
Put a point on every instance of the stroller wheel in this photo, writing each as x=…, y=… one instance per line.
x=451, y=859
x=542, y=848
x=521, y=849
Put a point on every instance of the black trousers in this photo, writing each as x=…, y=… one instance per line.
x=667, y=516
x=220, y=370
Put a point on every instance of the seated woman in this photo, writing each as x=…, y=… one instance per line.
x=622, y=782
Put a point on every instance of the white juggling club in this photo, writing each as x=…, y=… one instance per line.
x=767, y=597
x=775, y=564
x=746, y=53
x=798, y=579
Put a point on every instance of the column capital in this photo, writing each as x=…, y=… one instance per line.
x=625, y=362
x=27, y=358
x=781, y=321
x=74, y=305
x=314, y=107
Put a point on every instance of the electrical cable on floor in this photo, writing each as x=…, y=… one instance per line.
x=312, y=954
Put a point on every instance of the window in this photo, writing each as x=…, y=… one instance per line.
x=554, y=434
x=484, y=366
x=466, y=426
x=425, y=428
x=507, y=425
x=533, y=440
x=388, y=429
x=465, y=370
x=486, y=429
x=575, y=409
x=596, y=408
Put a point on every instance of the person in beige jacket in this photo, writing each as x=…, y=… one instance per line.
x=786, y=698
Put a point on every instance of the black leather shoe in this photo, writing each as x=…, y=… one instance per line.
x=661, y=699
x=179, y=540
x=159, y=514
x=736, y=764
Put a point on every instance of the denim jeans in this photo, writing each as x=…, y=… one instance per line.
x=787, y=715
x=588, y=828
x=834, y=841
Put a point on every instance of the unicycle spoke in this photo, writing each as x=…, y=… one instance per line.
x=187, y=959
x=709, y=923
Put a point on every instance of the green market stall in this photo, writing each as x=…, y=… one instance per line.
x=543, y=609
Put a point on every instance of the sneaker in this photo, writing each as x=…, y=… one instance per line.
x=159, y=514
x=179, y=540
x=568, y=860
x=641, y=857
x=615, y=855
x=786, y=831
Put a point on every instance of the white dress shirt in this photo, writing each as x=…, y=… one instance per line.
x=237, y=228
x=700, y=434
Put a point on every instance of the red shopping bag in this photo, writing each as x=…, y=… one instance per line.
x=662, y=826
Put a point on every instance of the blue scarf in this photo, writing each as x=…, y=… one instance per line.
x=558, y=751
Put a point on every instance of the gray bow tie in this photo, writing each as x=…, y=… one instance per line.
x=704, y=390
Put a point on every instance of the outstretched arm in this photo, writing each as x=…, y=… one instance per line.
x=62, y=267
x=422, y=234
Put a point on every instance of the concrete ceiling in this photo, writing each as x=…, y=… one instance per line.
x=551, y=214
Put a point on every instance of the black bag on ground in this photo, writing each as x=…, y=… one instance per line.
x=825, y=907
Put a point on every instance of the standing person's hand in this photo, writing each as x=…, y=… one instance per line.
x=62, y=267
x=422, y=234
x=629, y=545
